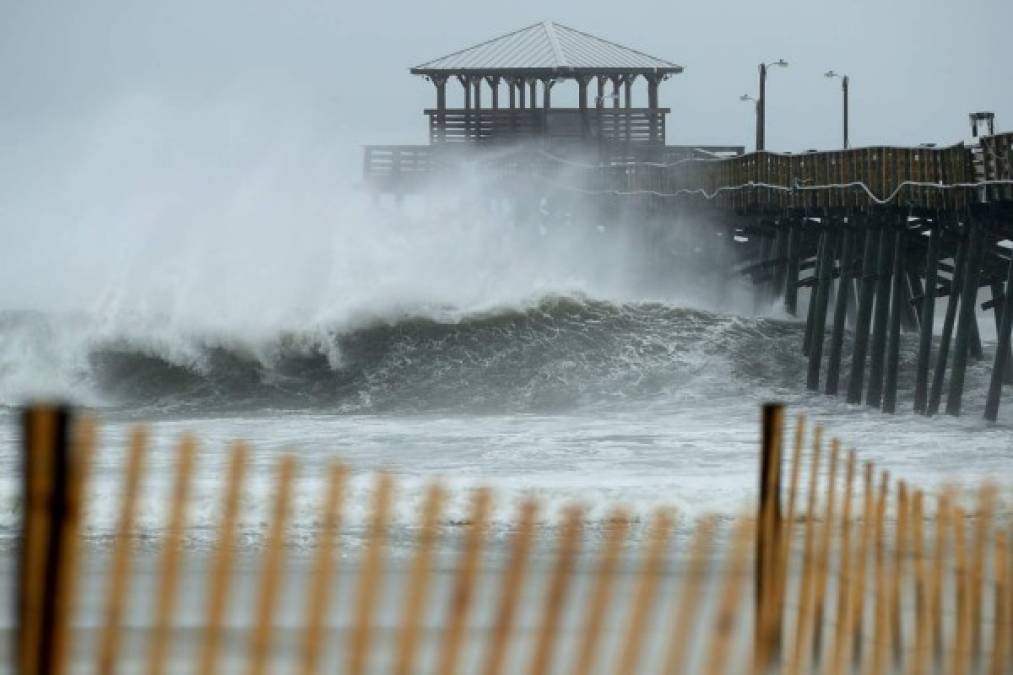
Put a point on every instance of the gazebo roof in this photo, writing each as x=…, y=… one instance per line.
x=545, y=49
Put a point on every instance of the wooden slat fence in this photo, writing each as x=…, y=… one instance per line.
x=857, y=573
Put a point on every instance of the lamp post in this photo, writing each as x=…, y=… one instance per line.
x=761, y=112
x=756, y=112
x=844, y=88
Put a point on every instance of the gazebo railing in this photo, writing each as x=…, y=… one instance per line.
x=613, y=125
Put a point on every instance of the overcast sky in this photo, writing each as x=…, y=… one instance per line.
x=215, y=76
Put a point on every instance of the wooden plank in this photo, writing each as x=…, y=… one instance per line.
x=692, y=585
x=79, y=472
x=370, y=571
x=261, y=637
x=861, y=568
x=319, y=587
x=824, y=552
x=118, y=578
x=646, y=591
x=172, y=556
x=728, y=612
x=843, y=619
x=801, y=638
x=617, y=525
x=40, y=431
x=555, y=596
x=512, y=582
x=464, y=585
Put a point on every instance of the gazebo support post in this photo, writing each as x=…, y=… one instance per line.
x=652, y=105
x=493, y=81
x=466, y=84
x=582, y=82
x=476, y=123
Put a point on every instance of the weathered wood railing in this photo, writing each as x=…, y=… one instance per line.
x=867, y=575
x=930, y=178
x=513, y=125
x=925, y=178
x=997, y=165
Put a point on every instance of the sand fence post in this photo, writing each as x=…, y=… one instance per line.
x=767, y=619
x=54, y=466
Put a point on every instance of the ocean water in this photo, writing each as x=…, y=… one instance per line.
x=539, y=352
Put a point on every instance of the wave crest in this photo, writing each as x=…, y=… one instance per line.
x=561, y=352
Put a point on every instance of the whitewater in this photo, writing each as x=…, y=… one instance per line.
x=235, y=291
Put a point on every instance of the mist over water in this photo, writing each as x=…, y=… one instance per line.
x=211, y=265
x=187, y=234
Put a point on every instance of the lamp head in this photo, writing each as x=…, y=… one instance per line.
x=746, y=97
x=830, y=73
x=781, y=62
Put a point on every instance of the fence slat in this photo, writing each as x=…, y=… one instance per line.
x=693, y=581
x=369, y=576
x=172, y=553
x=510, y=591
x=555, y=596
x=82, y=455
x=844, y=581
x=219, y=576
x=728, y=601
x=806, y=597
x=418, y=581
x=648, y=576
x=270, y=575
x=617, y=525
x=464, y=587
x=118, y=577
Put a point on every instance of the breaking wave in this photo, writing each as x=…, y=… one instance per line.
x=558, y=353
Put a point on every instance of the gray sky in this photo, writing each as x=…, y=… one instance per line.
x=230, y=78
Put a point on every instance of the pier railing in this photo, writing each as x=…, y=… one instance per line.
x=994, y=163
x=930, y=178
x=405, y=168
x=626, y=161
x=386, y=167
x=841, y=568
x=520, y=125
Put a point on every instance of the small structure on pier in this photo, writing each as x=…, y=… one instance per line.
x=506, y=86
x=529, y=63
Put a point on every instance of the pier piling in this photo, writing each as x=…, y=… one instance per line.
x=1002, y=352
x=899, y=306
x=968, y=295
x=939, y=375
x=791, y=271
x=874, y=396
x=819, y=314
x=868, y=290
x=928, y=303
x=840, y=312
x=998, y=296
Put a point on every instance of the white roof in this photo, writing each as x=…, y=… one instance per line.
x=547, y=47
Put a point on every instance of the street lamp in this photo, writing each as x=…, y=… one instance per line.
x=844, y=88
x=761, y=112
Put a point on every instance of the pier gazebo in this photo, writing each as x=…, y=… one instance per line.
x=525, y=65
x=506, y=101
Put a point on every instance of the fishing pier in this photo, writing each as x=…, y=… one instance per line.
x=864, y=244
